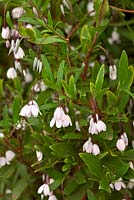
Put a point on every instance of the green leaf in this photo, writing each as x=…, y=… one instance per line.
x=100, y=78
x=63, y=149
x=78, y=73
x=73, y=136
x=85, y=37
x=72, y=87
x=129, y=155
x=47, y=40
x=50, y=21
x=47, y=69
x=8, y=19
x=16, y=108
x=19, y=188
x=93, y=164
x=90, y=195
x=60, y=73
x=122, y=170
x=123, y=69
x=78, y=194
x=104, y=185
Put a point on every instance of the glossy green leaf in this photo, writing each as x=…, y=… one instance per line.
x=90, y=195
x=93, y=164
x=123, y=69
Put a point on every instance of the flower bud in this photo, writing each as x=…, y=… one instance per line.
x=120, y=145
x=5, y=33
x=11, y=73
x=17, y=12
x=113, y=72
x=96, y=149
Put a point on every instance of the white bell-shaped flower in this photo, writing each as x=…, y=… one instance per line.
x=30, y=110
x=125, y=138
x=17, y=65
x=2, y=135
x=113, y=72
x=19, y=54
x=93, y=127
x=77, y=126
x=117, y=185
x=130, y=185
x=95, y=149
x=90, y=8
x=39, y=155
x=52, y=197
x=17, y=12
x=9, y=155
x=120, y=144
x=88, y=146
x=3, y=161
x=5, y=34
x=27, y=76
x=60, y=118
x=101, y=126
x=96, y=125
x=44, y=189
x=11, y=73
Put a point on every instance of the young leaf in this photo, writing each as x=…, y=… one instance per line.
x=16, y=108
x=100, y=78
x=47, y=69
x=72, y=87
x=85, y=37
x=8, y=19
x=50, y=21
x=60, y=73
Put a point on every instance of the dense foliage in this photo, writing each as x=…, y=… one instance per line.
x=67, y=99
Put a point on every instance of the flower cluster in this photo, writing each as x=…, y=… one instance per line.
x=37, y=64
x=117, y=185
x=30, y=110
x=60, y=118
x=122, y=142
x=96, y=125
x=44, y=189
x=5, y=160
x=89, y=147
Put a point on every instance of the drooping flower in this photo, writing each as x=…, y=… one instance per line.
x=115, y=37
x=30, y=110
x=27, y=76
x=60, y=118
x=95, y=149
x=96, y=125
x=113, y=72
x=130, y=184
x=17, y=12
x=5, y=34
x=9, y=155
x=39, y=155
x=122, y=142
x=37, y=64
x=52, y=197
x=17, y=65
x=89, y=147
x=19, y=54
x=3, y=161
x=44, y=189
x=90, y=8
x=117, y=185
x=11, y=73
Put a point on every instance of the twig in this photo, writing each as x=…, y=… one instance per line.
x=121, y=9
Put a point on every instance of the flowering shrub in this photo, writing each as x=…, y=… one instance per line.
x=67, y=100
